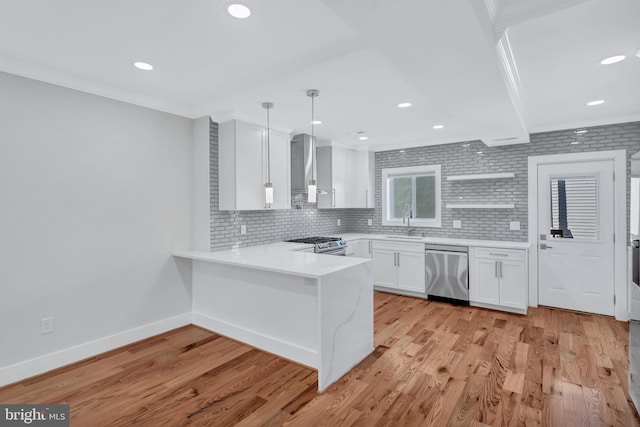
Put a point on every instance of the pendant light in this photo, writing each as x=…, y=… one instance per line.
x=312, y=189
x=268, y=187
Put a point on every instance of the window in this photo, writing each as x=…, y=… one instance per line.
x=411, y=190
x=574, y=207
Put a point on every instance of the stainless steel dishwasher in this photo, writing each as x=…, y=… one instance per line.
x=447, y=273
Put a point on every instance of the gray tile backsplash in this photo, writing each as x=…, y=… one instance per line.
x=473, y=157
x=456, y=159
x=265, y=226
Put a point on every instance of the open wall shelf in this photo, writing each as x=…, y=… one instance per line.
x=480, y=206
x=477, y=177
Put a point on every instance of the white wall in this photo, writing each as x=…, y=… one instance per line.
x=94, y=196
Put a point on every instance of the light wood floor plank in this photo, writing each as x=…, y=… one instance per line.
x=433, y=365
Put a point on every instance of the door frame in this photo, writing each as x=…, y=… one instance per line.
x=619, y=158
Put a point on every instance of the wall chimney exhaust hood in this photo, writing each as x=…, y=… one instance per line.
x=301, y=164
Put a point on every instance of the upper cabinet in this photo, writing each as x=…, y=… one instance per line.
x=345, y=178
x=243, y=165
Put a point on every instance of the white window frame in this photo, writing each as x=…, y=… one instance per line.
x=387, y=173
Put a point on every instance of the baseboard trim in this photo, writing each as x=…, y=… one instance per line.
x=47, y=362
x=264, y=342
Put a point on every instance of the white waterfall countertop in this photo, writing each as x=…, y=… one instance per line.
x=280, y=257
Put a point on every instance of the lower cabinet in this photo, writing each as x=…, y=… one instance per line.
x=398, y=265
x=498, y=278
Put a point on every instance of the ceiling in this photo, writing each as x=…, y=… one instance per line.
x=495, y=70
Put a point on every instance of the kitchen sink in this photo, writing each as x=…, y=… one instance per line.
x=405, y=237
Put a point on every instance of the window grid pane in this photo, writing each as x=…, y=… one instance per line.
x=581, y=200
x=402, y=194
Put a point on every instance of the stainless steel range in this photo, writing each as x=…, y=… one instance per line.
x=325, y=245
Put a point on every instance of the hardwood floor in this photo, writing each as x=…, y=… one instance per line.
x=434, y=365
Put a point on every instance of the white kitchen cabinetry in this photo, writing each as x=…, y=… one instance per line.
x=498, y=279
x=360, y=168
x=243, y=167
x=365, y=248
x=399, y=266
x=346, y=176
x=332, y=177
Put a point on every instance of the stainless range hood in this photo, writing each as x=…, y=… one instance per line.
x=301, y=164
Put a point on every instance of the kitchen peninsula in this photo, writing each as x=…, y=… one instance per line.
x=313, y=309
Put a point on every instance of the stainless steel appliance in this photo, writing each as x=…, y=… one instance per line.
x=447, y=273
x=634, y=326
x=325, y=245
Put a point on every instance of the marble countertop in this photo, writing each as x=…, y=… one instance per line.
x=280, y=257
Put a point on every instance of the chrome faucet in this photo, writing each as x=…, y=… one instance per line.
x=408, y=214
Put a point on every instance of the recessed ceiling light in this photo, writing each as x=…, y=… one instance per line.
x=597, y=102
x=575, y=143
x=580, y=131
x=316, y=122
x=363, y=138
x=238, y=10
x=143, y=66
x=405, y=105
x=612, y=59
x=438, y=126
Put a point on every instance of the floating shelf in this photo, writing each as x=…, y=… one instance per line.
x=480, y=206
x=476, y=177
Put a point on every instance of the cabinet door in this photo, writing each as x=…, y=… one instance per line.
x=339, y=177
x=249, y=167
x=280, y=170
x=366, y=248
x=363, y=191
x=483, y=281
x=385, y=272
x=513, y=279
x=411, y=271
x=351, y=179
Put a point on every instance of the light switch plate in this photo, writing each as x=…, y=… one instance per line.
x=369, y=222
x=457, y=223
x=514, y=225
x=243, y=229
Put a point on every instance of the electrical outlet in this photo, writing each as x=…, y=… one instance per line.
x=243, y=229
x=457, y=223
x=46, y=325
x=338, y=222
x=514, y=225
x=369, y=222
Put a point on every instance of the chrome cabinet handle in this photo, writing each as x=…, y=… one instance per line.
x=333, y=203
x=369, y=246
x=398, y=259
x=544, y=246
x=495, y=269
x=501, y=269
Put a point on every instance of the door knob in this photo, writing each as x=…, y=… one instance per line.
x=544, y=246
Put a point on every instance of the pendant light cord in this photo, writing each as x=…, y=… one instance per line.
x=313, y=139
x=268, y=148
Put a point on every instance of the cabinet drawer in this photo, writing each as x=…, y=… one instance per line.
x=398, y=246
x=504, y=254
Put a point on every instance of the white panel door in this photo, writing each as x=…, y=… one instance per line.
x=576, y=271
x=385, y=272
x=411, y=271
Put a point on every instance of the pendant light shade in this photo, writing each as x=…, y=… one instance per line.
x=312, y=188
x=268, y=186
